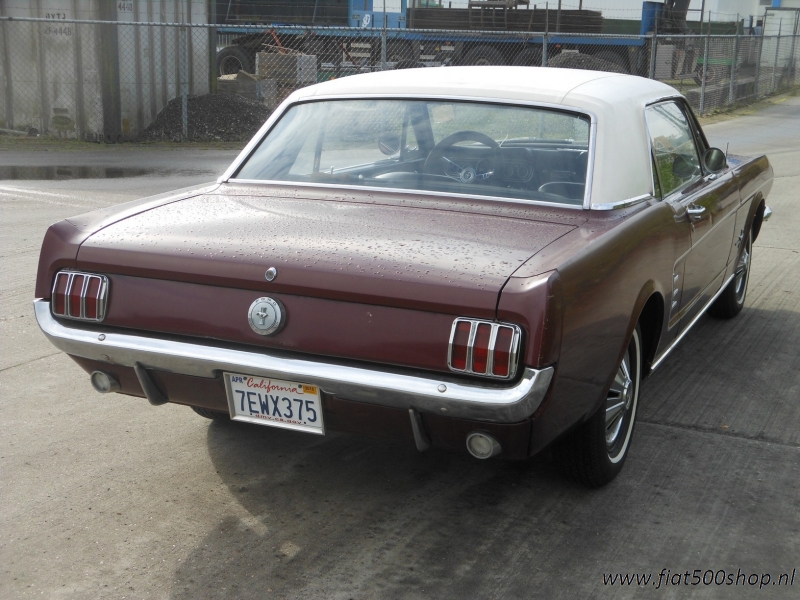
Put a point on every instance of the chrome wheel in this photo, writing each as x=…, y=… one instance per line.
x=595, y=452
x=621, y=402
x=743, y=271
x=618, y=402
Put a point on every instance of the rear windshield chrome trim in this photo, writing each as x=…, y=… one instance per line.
x=290, y=102
x=423, y=393
x=366, y=188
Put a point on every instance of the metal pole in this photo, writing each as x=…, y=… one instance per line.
x=184, y=84
x=546, y=29
x=790, y=74
x=383, y=39
x=775, y=62
x=653, y=50
x=702, y=12
x=705, y=76
x=758, y=62
x=734, y=63
x=558, y=18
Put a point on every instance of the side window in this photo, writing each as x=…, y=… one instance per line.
x=676, y=155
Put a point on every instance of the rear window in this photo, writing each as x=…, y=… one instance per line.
x=469, y=148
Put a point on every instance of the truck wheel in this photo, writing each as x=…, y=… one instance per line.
x=714, y=74
x=232, y=59
x=593, y=454
x=215, y=415
x=614, y=58
x=731, y=301
x=483, y=55
x=529, y=57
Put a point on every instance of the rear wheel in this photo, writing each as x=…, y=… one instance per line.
x=731, y=301
x=232, y=59
x=216, y=415
x=594, y=453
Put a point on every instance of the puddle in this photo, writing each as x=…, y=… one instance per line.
x=38, y=173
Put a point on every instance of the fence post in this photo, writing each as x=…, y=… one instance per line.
x=790, y=72
x=544, y=50
x=9, y=90
x=383, y=45
x=653, y=50
x=705, y=75
x=775, y=62
x=734, y=63
x=184, y=83
x=758, y=63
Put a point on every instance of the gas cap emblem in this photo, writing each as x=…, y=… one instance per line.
x=266, y=316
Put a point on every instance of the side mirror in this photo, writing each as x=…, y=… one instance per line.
x=714, y=160
x=389, y=143
x=682, y=167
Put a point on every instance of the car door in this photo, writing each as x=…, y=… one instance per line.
x=705, y=201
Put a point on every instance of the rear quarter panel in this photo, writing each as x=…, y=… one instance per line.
x=626, y=257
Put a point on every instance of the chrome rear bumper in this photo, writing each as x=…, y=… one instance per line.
x=424, y=394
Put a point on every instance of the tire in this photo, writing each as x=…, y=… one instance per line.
x=529, y=57
x=215, y=415
x=731, y=301
x=594, y=453
x=714, y=74
x=483, y=56
x=232, y=59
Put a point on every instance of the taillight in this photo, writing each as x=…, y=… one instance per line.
x=484, y=348
x=459, y=345
x=80, y=296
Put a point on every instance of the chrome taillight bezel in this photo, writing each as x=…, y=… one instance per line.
x=513, y=355
x=101, y=298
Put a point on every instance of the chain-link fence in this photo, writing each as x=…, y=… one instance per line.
x=111, y=81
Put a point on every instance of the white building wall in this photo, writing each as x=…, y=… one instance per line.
x=55, y=68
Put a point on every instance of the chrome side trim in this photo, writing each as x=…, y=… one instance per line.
x=422, y=393
x=587, y=189
x=623, y=203
x=675, y=342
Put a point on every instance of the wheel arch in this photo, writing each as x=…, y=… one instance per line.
x=651, y=323
x=758, y=217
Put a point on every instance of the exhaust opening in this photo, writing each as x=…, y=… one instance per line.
x=103, y=382
x=482, y=445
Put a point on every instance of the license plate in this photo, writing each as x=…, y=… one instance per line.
x=274, y=402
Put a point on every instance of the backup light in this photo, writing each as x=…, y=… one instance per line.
x=484, y=348
x=80, y=296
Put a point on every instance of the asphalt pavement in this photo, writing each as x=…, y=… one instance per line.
x=109, y=497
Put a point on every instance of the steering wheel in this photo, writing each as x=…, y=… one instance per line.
x=468, y=174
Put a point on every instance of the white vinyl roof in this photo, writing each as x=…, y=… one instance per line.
x=622, y=163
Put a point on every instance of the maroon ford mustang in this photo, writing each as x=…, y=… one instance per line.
x=486, y=259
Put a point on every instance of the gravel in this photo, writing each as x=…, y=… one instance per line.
x=212, y=117
x=572, y=60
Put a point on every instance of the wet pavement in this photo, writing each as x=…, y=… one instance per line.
x=109, y=497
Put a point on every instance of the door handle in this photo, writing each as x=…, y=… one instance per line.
x=695, y=212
